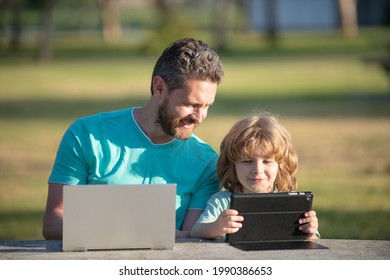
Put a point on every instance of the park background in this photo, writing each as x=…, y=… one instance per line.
x=318, y=65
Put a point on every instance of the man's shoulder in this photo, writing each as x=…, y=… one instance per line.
x=102, y=117
x=196, y=141
x=200, y=150
x=108, y=115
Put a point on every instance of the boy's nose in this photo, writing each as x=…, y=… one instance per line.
x=258, y=168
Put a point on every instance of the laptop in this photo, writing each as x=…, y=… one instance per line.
x=107, y=217
x=271, y=221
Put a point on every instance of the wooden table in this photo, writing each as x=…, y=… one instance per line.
x=198, y=249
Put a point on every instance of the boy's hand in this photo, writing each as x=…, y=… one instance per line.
x=309, y=224
x=229, y=222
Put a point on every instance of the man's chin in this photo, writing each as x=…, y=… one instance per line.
x=183, y=134
x=183, y=137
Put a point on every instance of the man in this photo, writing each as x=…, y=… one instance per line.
x=152, y=144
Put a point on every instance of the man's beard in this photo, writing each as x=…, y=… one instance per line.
x=170, y=124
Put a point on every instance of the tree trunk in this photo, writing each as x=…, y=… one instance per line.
x=3, y=7
x=112, y=29
x=271, y=28
x=348, y=14
x=16, y=29
x=45, y=36
x=222, y=23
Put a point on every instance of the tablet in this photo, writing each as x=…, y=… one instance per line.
x=271, y=219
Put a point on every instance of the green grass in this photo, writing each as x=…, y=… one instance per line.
x=336, y=107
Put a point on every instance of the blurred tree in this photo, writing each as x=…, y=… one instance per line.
x=89, y=15
x=170, y=26
x=14, y=7
x=45, y=34
x=16, y=29
x=3, y=8
x=112, y=29
x=221, y=29
x=271, y=30
x=348, y=14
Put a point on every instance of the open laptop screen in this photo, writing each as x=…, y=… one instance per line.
x=106, y=217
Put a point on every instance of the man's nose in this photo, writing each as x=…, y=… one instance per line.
x=199, y=114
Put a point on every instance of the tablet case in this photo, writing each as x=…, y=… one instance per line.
x=271, y=221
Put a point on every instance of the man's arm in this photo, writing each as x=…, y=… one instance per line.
x=190, y=219
x=52, y=221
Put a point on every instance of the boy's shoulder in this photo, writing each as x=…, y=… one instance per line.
x=222, y=195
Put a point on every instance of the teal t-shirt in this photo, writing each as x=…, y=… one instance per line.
x=110, y=148
x=217, y=203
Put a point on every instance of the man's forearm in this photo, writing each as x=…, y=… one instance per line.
x=52, y=227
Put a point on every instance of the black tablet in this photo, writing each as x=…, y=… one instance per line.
x=271, y=218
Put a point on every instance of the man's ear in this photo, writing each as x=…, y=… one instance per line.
x=158, y=85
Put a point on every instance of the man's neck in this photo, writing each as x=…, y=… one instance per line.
x=146, y=120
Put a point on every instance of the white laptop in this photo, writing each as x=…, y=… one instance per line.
x=105, y=217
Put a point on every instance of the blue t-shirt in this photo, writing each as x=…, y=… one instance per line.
x=110, y=148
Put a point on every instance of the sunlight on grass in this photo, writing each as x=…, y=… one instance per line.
x=69, y=80
x=335, y=106
x=255, y=76
x=305, y=75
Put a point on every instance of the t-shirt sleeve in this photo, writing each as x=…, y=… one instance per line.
x=70, y=166
x=217, y=203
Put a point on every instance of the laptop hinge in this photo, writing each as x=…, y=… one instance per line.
x=78, y=249
x=162, y=247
